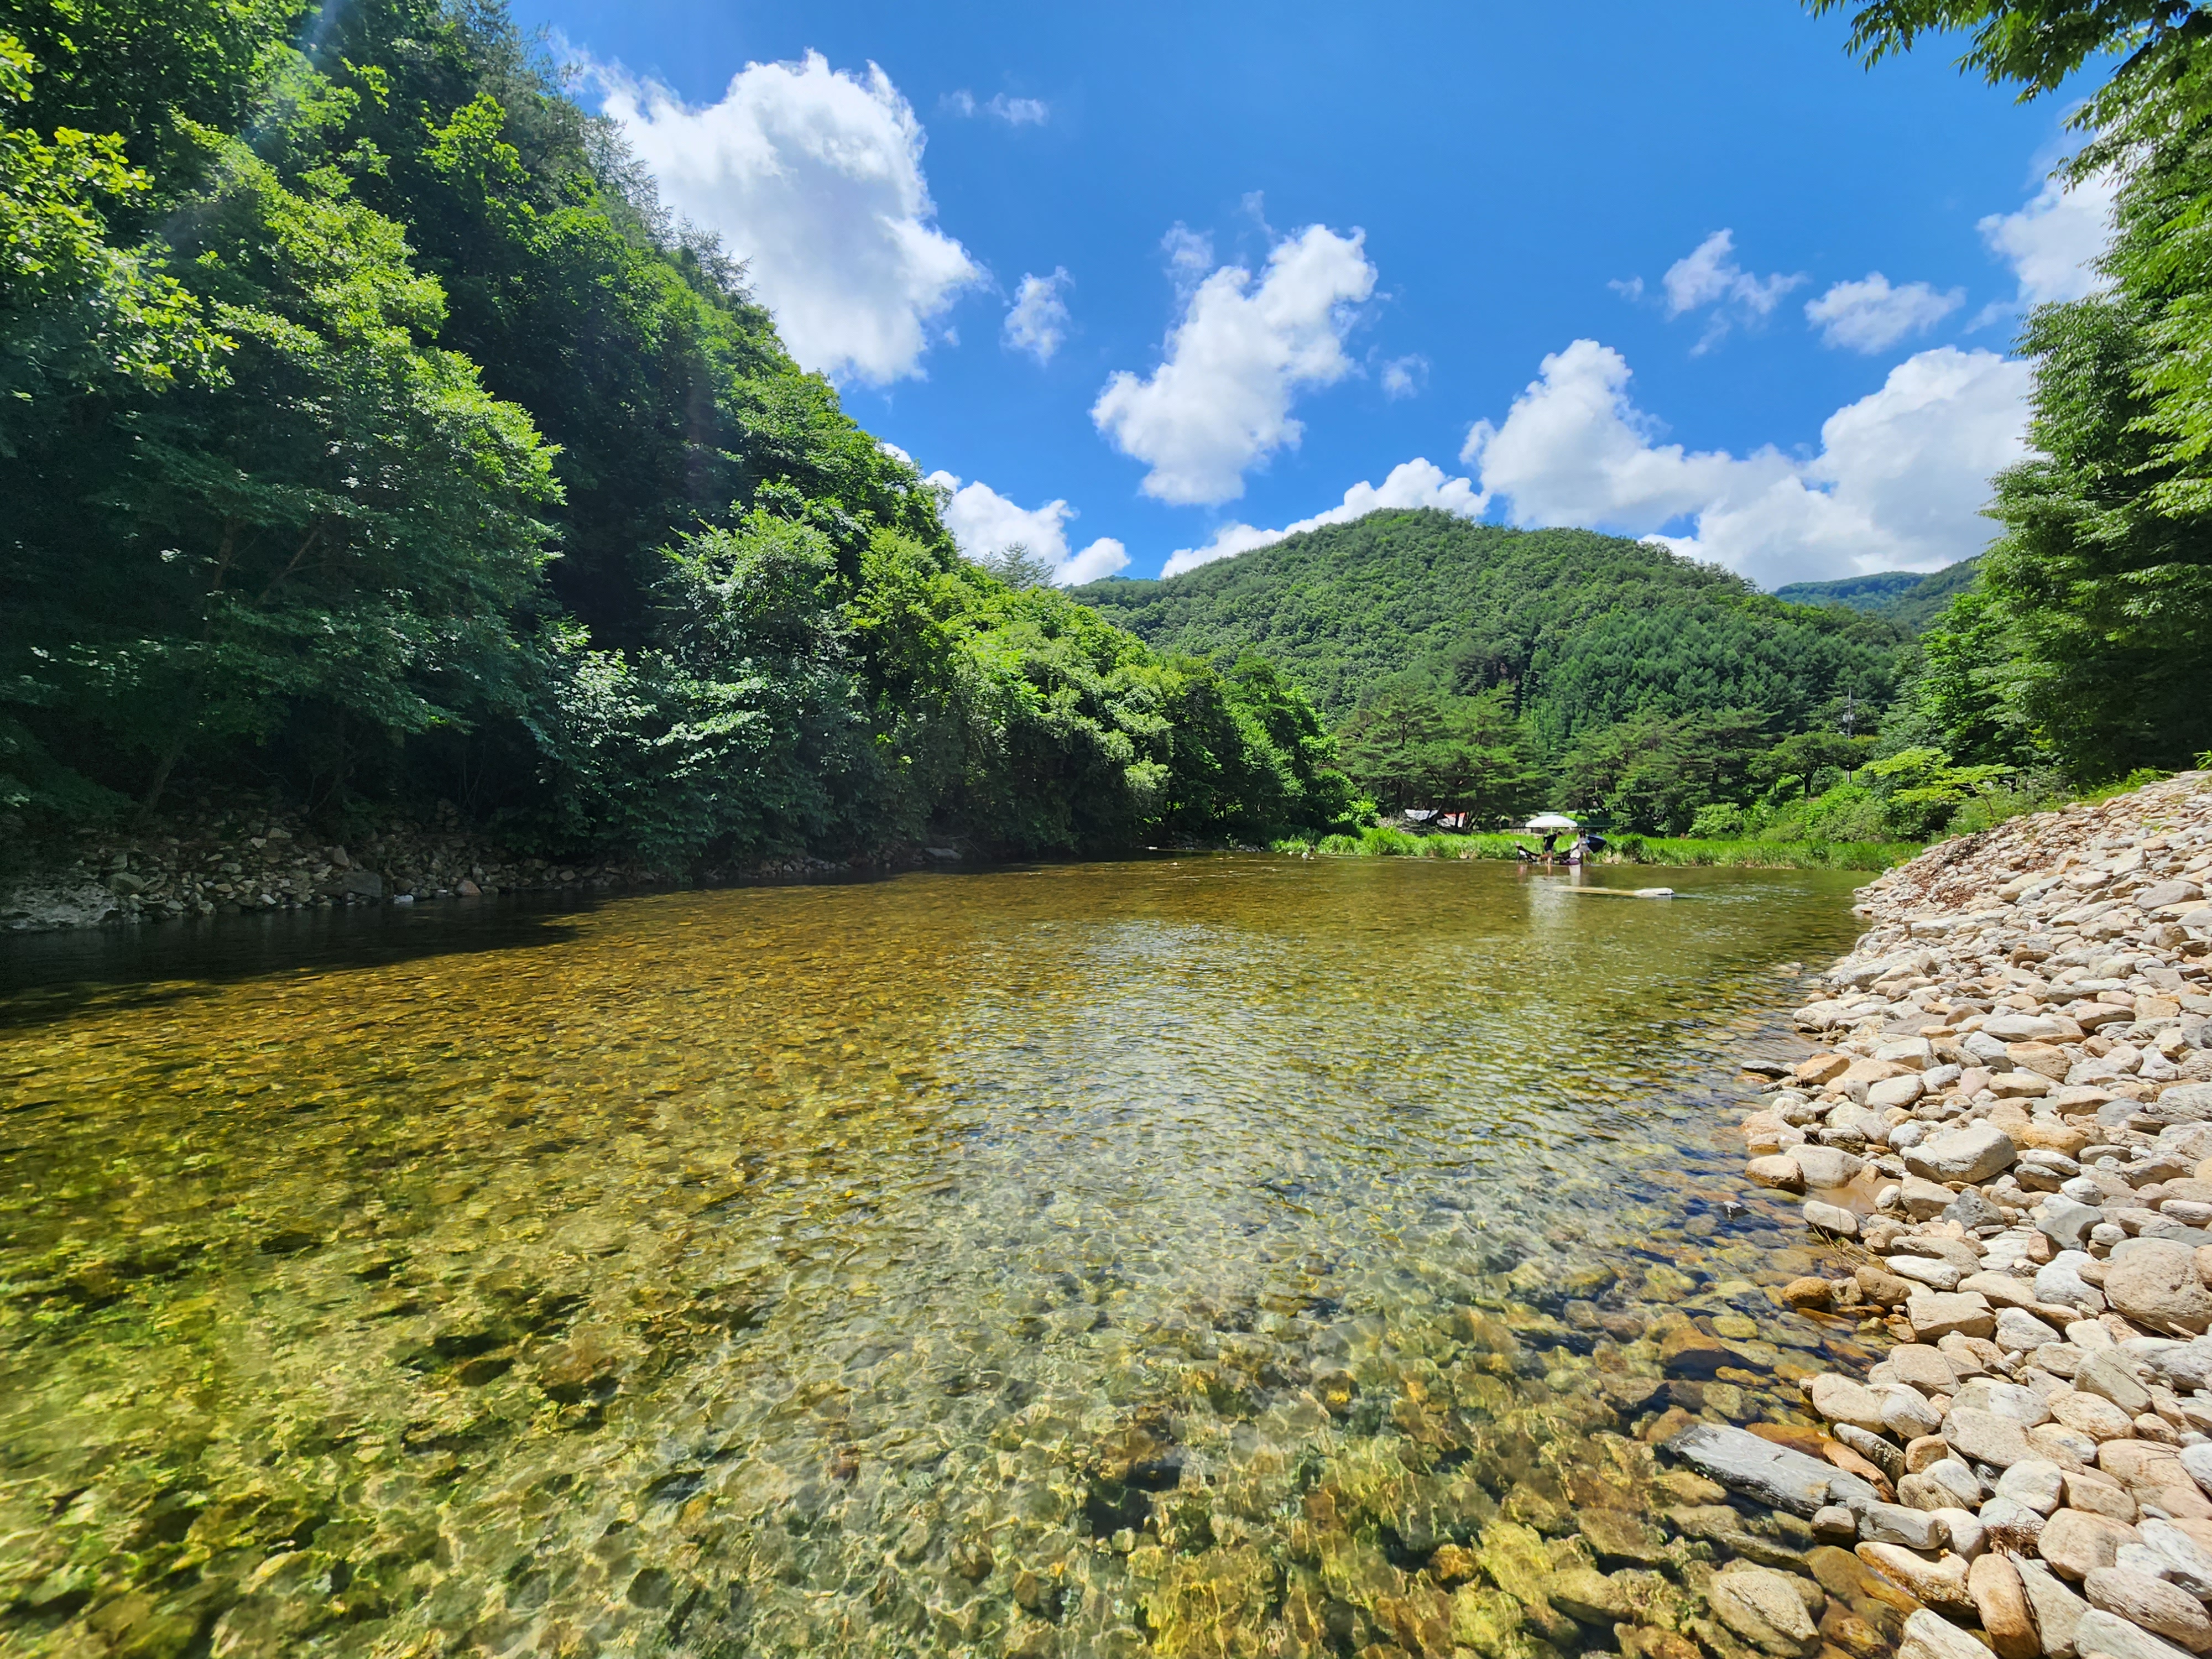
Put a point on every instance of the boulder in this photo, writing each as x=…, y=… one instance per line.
x=1830, y=1218
x=2098, y=1631
x=2151, y=1604
x=2171, y=1554
x=2156, y=1284
x=1763, y=1607
x=2036, y=1482
x=2076, y=1543
x=2155, y=1478
x=1987, y=1437
x=1937, y=1275
x=1929, y=1637
x=1780, y=1169
x=1768, y=1473
x=1936, y=1314
x=1938, y=1583
x=2197, y=1460
x=1827, y=1166
x=1917, y=1529
x=2098, y=1493
x=1924, y=1198
x=2099, y=1419
x=2106, y=1374
x=1924, y=1367
x=1994, y=1583
x=1896, y=1091
x=2055, y=1608
x=1985, y=1394
x=2018, y=1331
x=1972, y=1153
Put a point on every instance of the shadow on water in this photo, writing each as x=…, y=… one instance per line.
x=52, y=976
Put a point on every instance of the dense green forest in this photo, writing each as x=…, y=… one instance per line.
x=372, y=435
x=2086, y=644
x=1907, y=599
x=1472, y=664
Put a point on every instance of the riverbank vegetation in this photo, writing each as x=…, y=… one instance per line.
x=1388, y=841
x=374, y=435
x=2085, y=644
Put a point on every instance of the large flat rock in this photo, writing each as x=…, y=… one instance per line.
x=1772, y=1475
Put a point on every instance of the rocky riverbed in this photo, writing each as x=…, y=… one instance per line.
x=2007, y=1140
x=243, y=855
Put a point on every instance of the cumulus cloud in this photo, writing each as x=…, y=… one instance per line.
x=1870, y=315
x=1709, y=277
x=1897, y=485
x=1707, y=274
x=1014, y=111
x=2053, y=243
x=813, y=177
x=1037, y=321
x=1220, y=401
x=983, y=521
x=1404, y=377
x=1417, y=483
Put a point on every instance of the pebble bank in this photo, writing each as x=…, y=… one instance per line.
x=2006, y=1138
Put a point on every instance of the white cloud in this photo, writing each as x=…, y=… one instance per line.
x=1014, y=111
x=1897, y=483
x=1417, y=483
x=982, y=521
x=1404, y=377
x=1707, y=274
x=1220, y=403
x=813, y=177
x=1190, y=256
x=2053, y=243
x=1037, y=321
x=1870, y=315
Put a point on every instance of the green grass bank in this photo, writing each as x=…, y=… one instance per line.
x=1383, y=841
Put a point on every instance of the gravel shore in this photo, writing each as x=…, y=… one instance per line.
x=2007, y=1139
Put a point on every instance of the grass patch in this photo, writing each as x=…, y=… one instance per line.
x=1381, y=842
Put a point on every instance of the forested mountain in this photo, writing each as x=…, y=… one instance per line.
x=370, y=433
x=1905, y=597
x=1496, y=667
x=1588, y=629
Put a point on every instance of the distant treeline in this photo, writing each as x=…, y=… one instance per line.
x=370, y=432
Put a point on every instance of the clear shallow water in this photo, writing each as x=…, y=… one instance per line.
x=1174, y=1257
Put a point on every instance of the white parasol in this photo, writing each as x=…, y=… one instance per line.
x=1551, y=821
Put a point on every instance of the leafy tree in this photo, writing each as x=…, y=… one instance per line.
x=2092, y=626
x=76, y=311
x=420, y=452
x=1921, y=789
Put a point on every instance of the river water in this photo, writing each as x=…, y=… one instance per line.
x=1221, y=1255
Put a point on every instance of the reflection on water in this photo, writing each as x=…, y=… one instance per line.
x=1227, y=1255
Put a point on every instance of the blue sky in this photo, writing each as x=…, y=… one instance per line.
x=1199, y=274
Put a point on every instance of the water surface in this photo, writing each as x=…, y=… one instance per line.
x=1185, y=1256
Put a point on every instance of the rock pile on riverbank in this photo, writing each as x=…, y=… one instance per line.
x=246, y=855
x=2008, y=1133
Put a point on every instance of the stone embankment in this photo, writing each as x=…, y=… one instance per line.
x=246, y=855
x=2007, y=1139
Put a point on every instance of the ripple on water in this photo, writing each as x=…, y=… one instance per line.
x=1217, y=1256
